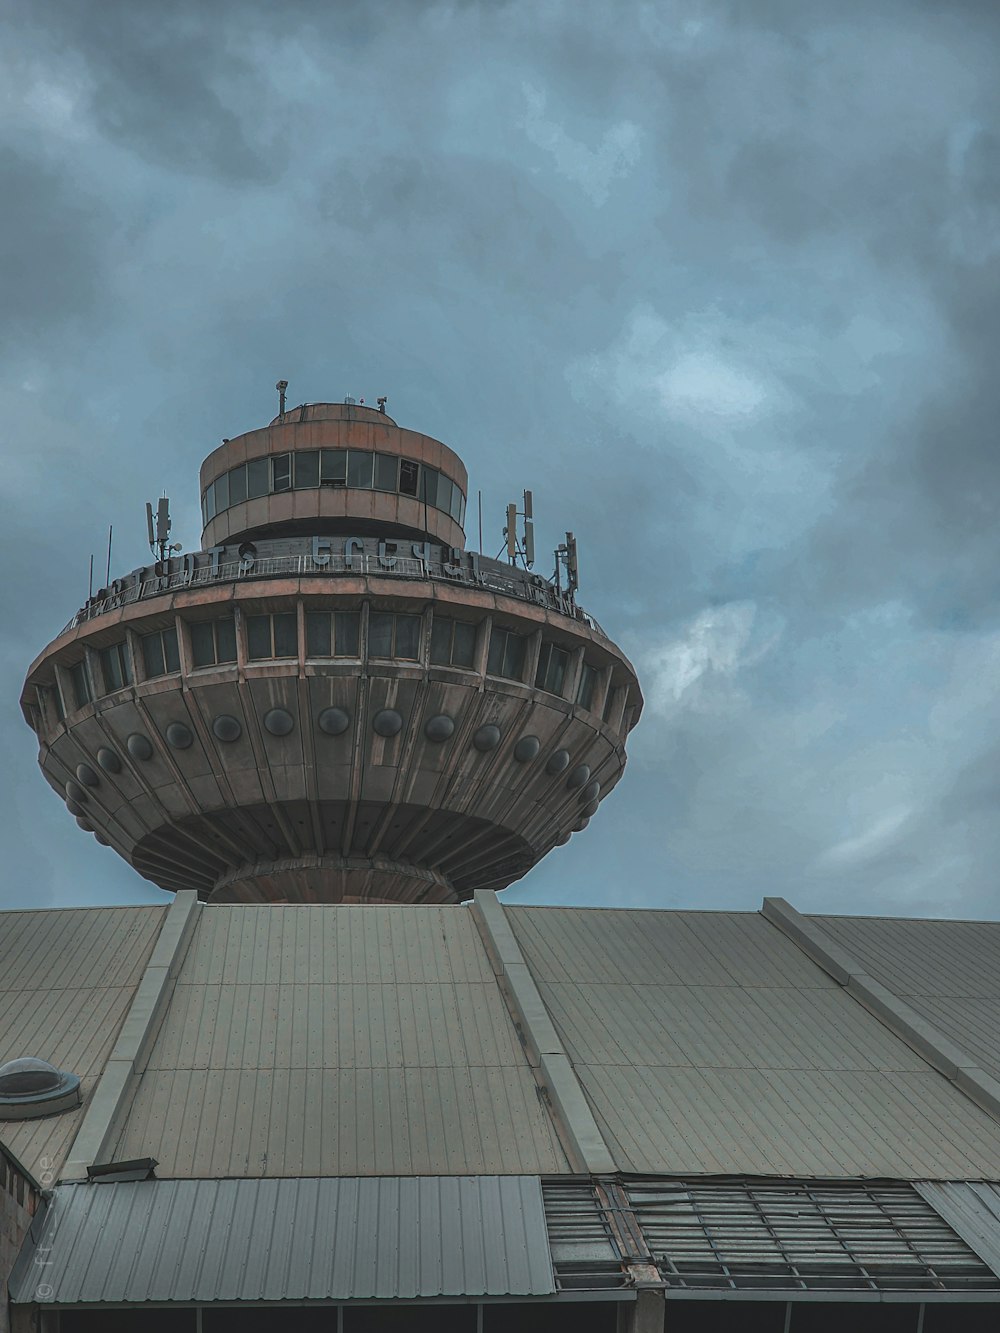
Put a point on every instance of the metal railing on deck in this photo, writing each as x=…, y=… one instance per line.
x=285, y=566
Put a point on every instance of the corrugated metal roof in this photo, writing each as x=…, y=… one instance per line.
x=66, y=980
x=949, y=971
x=306, y=1040
x=737, y=1054
x=973, y=1210
x=603, y=945
x=789, y=1122
x=918, y=957
x=294, y=1240
x=726, y=1027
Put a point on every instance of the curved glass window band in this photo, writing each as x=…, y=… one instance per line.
x=308, y=469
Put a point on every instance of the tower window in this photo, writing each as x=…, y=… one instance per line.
x=386, y=472
x=332, y=633
x=333, y=467
x=309, y=468
x=551, y=672
x=272, y=636
x=408, y=473
x=258, y=478
x=506, y=655
x=116, y=666
x=306, y=469
x=393, y=636
x=429, y=477
x=453, y=642
x=81, y=684
x=359, y=469
x=281, y=473
x=159, y=653
x=588, y=685
x=213, y=641
x=238, y=484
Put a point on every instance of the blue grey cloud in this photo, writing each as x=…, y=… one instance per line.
x=717, y=281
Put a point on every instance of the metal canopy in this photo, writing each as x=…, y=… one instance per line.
x=288, y=1240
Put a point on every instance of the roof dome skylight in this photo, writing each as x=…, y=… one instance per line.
x=30, y=1087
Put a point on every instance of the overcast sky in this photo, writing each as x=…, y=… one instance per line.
x=718, y=281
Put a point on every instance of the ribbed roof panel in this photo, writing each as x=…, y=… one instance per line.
x=291, y=1240
x=708, y=1042
x=605, y=945
x=949, y=971
x=67, y=978
x=325, y=1040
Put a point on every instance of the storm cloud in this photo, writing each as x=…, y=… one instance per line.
x=719, y=282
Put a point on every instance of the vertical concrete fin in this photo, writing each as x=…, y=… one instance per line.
x=921, y=1035
x=550, y=1064
x=136, y=1036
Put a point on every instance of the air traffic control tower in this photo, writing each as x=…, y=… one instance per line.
x=333, y=700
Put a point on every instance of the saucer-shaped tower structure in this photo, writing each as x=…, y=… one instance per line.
x=333, y=700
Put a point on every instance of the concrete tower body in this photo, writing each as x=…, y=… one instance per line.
x=333, y=700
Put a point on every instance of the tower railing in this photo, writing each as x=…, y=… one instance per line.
x=330, y=564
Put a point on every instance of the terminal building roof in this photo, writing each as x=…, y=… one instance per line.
x=553, y=1100
x=321, y=1040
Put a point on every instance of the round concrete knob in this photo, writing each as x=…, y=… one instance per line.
x=227, y=728
x=334, y=721
x=557, y=762
x=439, y=728
x=108, y=760
x=179, y=736
x=387, y=722
x=279, y=722
x=527, y=749
x=139, y=746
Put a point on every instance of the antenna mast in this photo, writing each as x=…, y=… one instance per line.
x=159, y=535
x=522, y=548
x=566, y=554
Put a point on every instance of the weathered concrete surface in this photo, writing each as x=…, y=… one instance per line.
x=644, y=1315
x=19, y=1198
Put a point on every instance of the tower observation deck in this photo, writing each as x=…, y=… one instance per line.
x=333, y=700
